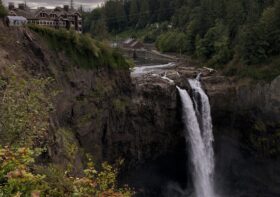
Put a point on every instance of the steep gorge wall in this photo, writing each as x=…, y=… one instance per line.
x=246, y=123
x=90, y=102
x=108, y=115
x=251, y=108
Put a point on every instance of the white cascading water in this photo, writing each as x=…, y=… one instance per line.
x=203, y=111
x=200, y=139
x=140, y=70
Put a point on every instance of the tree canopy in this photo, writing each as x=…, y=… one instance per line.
x=216, y=32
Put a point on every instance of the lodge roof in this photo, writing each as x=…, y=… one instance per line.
x=35, y=13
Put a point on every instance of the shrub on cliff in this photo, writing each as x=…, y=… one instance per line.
x=15, y=173
x=102, y=183
x=3, y=11
x=25, y=108
x=264, y=137
x=18, y=177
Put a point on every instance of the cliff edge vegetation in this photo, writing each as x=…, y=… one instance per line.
x=39, y=153
x=81, y=49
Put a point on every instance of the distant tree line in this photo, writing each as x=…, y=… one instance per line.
x=215, y=31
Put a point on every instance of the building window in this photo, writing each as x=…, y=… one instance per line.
x=43, y=15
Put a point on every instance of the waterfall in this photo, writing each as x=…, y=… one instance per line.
x=198, y=132
x=203, y=111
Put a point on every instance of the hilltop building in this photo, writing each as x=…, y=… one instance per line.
x=66, y=17
x=15, y=21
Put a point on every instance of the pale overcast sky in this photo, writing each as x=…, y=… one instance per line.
x=87, y=4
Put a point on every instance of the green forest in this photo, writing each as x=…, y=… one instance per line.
x=236, y=33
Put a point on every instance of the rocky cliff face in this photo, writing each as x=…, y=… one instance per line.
x=265, y=97
x=91, y=103
x=109, y=116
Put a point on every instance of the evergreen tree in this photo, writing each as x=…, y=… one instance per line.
x=270, y=22
x=153, y=7
x=144, y=14
x=235, y=16
x=115, y=16
x=99, y=29
x=121, y=17
x=3, y=11
x=181, y=17
x=133, y=13
x=164, y=11
x=253, y=45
